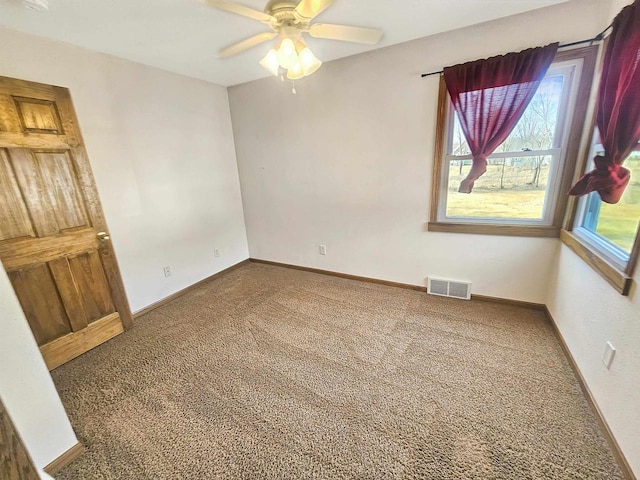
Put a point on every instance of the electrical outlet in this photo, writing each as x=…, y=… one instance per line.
x=323, y=249
x=216, y=253
x=167, y=271
x=609, y=354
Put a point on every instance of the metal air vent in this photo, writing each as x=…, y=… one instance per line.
x=449, y=288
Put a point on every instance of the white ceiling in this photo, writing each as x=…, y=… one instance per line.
x=183, y=35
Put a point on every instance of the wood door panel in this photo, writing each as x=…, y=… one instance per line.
x=67, y=280
x=34, y=111
x=38, y=116
x=9, y=118
x=50, y=189
x=34, y=190
x=69, y=293
x=36, y=289
x=92, y=285
x=59, y=177
x=14, y=217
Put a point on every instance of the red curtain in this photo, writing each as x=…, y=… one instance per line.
x=490, y=96
x=618, y=105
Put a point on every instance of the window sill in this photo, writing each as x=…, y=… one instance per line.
x=616, y=278
x=507, y=230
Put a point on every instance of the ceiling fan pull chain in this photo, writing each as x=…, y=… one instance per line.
x=293, y=90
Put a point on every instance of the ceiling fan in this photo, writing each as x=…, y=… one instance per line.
x=289, y=20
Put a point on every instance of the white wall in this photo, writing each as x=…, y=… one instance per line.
x=589, y=313
x=26, y=388
x=616, y=6
x=161, y=148
x=347, y=162
x=162, y=152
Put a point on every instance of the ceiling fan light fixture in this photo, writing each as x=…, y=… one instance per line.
x=287, y=55
x=309, y=62
x=296, y=72
x=270, y=62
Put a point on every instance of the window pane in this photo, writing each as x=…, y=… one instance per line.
x=460, y=145
x=512, y=188
x=535, y=130
x=617, y=223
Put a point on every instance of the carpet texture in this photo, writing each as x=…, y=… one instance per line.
x=272, y=373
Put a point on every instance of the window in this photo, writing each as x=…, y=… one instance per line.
x=605, y=235
x=520, y=193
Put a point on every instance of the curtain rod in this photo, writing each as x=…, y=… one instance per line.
x=597, y=38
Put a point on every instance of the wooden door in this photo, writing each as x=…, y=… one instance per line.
x=53, y=237
x=15, y=462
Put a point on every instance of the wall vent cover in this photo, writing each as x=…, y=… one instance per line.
x=449, y=288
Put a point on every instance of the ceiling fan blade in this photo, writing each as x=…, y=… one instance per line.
x=246, y=44
x=346, y=33
x=241, y=10
x=307, y=9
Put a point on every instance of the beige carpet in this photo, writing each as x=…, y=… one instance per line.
x=272, y=373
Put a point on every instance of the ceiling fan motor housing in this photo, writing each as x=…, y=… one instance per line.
x=284, y=12
x=280, y=5
x=293, y=33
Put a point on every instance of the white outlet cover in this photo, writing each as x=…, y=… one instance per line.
x=609, y=354
x=323, y=249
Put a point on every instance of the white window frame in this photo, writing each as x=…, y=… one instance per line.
x=572, y=71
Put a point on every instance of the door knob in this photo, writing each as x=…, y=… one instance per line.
x=103, y=236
